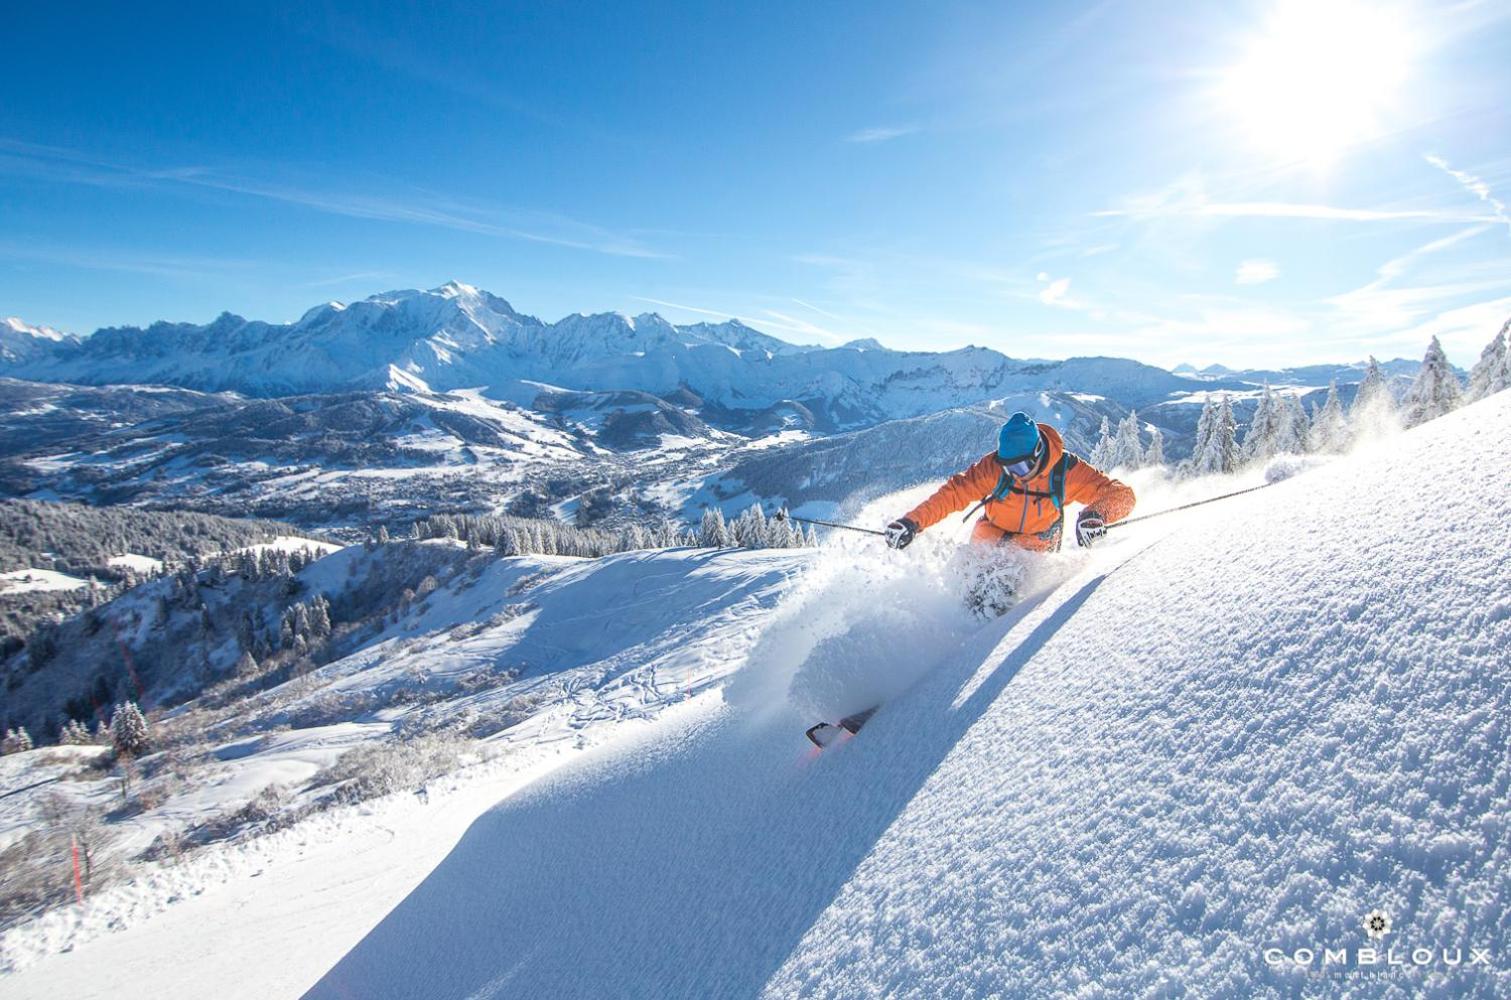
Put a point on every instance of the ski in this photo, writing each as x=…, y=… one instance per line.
x=824, y=734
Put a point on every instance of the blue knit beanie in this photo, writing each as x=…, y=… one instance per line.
x=1019, y=437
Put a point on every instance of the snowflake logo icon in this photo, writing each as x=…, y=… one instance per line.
x=1376, y=924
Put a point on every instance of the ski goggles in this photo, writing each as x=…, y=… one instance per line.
x=1024, y=464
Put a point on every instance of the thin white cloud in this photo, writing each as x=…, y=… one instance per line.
x=1382, y=309
x=814, y=308
x=1256, y=272
x=881, y=133
x=1293, y=210
x=436, y=212
x=794, y=324
x=1384, y=305
x=345, y=279
x=1397, y=266
x=127, y=262
x=1187, y=198
x=1474, y=186
x=717, y=313
x=420, y=209
x=769, y=319
x=1463, y=331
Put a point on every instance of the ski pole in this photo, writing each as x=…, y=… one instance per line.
x=782, y=515
x=1188, y=506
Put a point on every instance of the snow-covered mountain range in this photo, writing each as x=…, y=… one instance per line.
x=457, y=336
x=412, y=402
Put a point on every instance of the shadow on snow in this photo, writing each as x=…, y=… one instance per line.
x=691, y=866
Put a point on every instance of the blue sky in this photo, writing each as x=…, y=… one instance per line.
x=1246, y=183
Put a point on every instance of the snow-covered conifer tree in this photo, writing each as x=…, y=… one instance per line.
x=1291, y=425
x=1373, y=404
x=1220, y=452
x=129, y=734
x=1259, y=440
x=16, y=740
x=1492, y=372
x=1101, y=452
x=320, y=617
x=1436, y=390
x=1204, y=425
x=713, y=532
x=1329, y=430
x=750, y=528
x=634, y=538
x=1127, y=453
x=1155, y=456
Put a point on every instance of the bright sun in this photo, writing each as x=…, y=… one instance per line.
x=1320, y=76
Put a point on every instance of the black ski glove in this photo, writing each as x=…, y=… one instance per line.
x=1089, y=528
x=901, y=532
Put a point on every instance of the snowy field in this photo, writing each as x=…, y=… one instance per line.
x=1189, y=762
x=26, y=581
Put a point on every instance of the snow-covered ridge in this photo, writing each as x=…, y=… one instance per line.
x=20, y=342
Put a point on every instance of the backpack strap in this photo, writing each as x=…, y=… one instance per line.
x=1057, y=479
x=1057, y=493
x=1007, y=485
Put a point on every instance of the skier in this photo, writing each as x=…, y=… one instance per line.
x=1023, y=485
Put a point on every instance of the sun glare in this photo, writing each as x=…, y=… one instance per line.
x=1318, y=77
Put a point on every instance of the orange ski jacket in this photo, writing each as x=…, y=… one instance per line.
x=1025, y=512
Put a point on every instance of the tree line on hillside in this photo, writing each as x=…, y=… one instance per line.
x=81, y=541
x=517, y=536
x=77, y=539
x=1281, y=425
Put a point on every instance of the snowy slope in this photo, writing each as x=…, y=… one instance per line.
x=519, y=655
x=1233, y=730
x=1239, y=735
